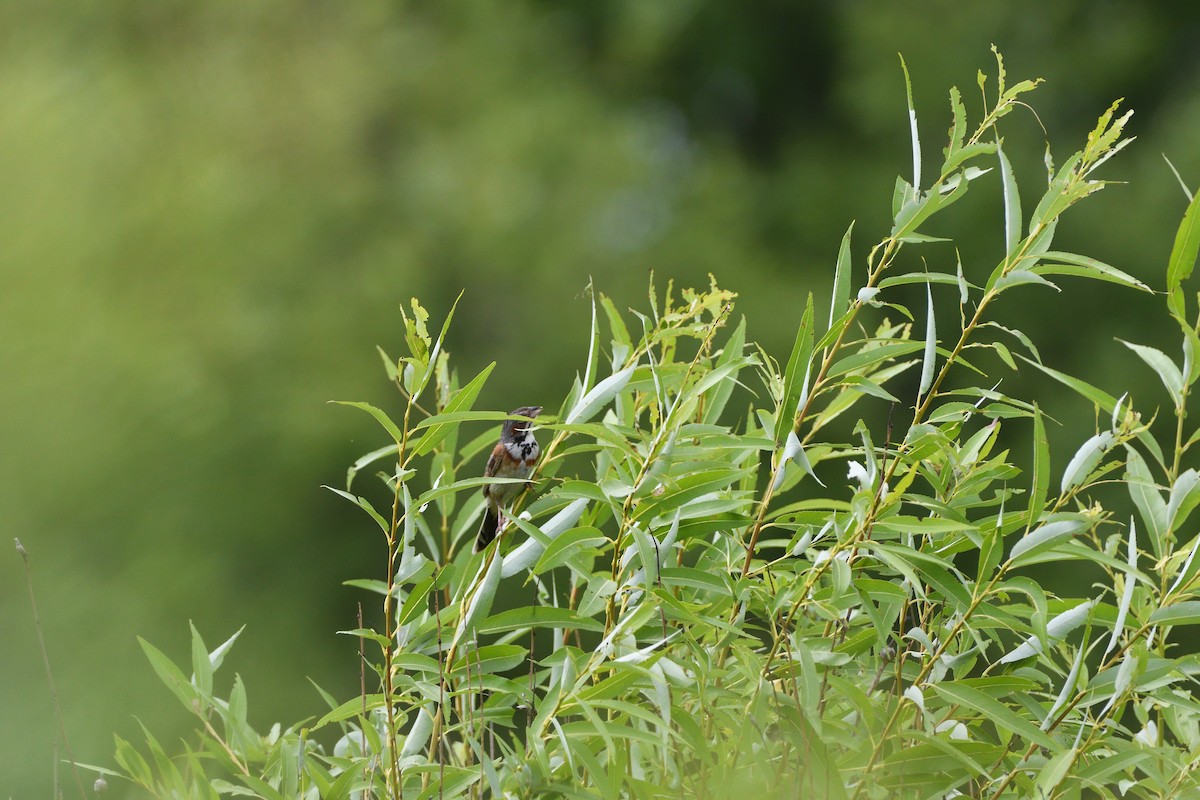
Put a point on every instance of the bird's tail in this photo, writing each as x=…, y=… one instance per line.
x=489, y=528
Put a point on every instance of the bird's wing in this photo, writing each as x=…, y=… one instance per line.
x=493, y=465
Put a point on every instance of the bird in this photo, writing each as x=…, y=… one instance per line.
x=513, y=457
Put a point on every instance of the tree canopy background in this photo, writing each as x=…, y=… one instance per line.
x=209, y=213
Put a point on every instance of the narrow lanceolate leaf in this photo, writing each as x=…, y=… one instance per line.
x=1185, y=494
x=1056, y=629
x=1101, y=398
x=1158, y=361
x=1000, y=714
x=483, y=592
x=1085, y=459
x=202, y=670
x=731, y=354
x=169, y=674
x=1127, y=593
x=217, y=656
x=793, y=377
x=1012, y=207
x=366, y=506
x=1041, y=467
x=869, y=356
x=531, y=549
x=1183, y=257
x=419, y=735
x=1020, y=277
x=930, y=359
x=1067, y=688
x=840, y=300
x=1054, y=771
x=1185, y=572
x=912, y=122
x=433, y=354
x=599, y=395
x=538, y=617
x=1055, y=262
x=1046, y=536
x=962, y=280
x=1191, y=354
x=1185, y=613
x=593, y=343
x=462, y=401
x=380, y=416
x=794, y=450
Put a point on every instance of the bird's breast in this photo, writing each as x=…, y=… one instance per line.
x=525, y=451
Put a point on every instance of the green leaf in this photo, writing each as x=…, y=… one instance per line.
x=538, y=617
x=1056, y=629
x=686, y=489
x=369, y=458
x=989, y=555
x=1085, y=459
x=1147, y=498
x=615, y=323
x=1183, y=613
x=382, y=418
x=1054, y=771
x=365, y=505
x=796, y=374
x=599, y=396
x=1012, y=206
x=1185, y=495
x=696, y=579
x=1084, y=267
x=912, y=121
x=858, y=362
x=489, y=659
x=929, y=361
x=648, y=555
x=1183, y=257
x=922, y=277
x=1046, y=536
x=1019, y=277
x=426, y=375
x=734, y=347
x=992, y=709
x=1167, y=372
x=958, y=128
x=924, y=205
x=528, y=552
x=480, y=593
x=170, y=674
x=1103, y=399
x=440, y=426
x=967, y=153
x=1118, y=627
x=867, y=386
x=840, y=300
x=458, y=486
x=934, y=765
x=579, y=541
x=201, y=667
x=1040, y=485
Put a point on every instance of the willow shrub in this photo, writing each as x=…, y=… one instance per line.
x=700, y=613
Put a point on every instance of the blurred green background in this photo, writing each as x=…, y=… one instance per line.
x=210, y=211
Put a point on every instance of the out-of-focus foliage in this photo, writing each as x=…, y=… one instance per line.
x=210, y=211
x=708, y=616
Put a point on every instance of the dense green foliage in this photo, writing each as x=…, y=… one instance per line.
x=709, y=607
x=211, y=210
